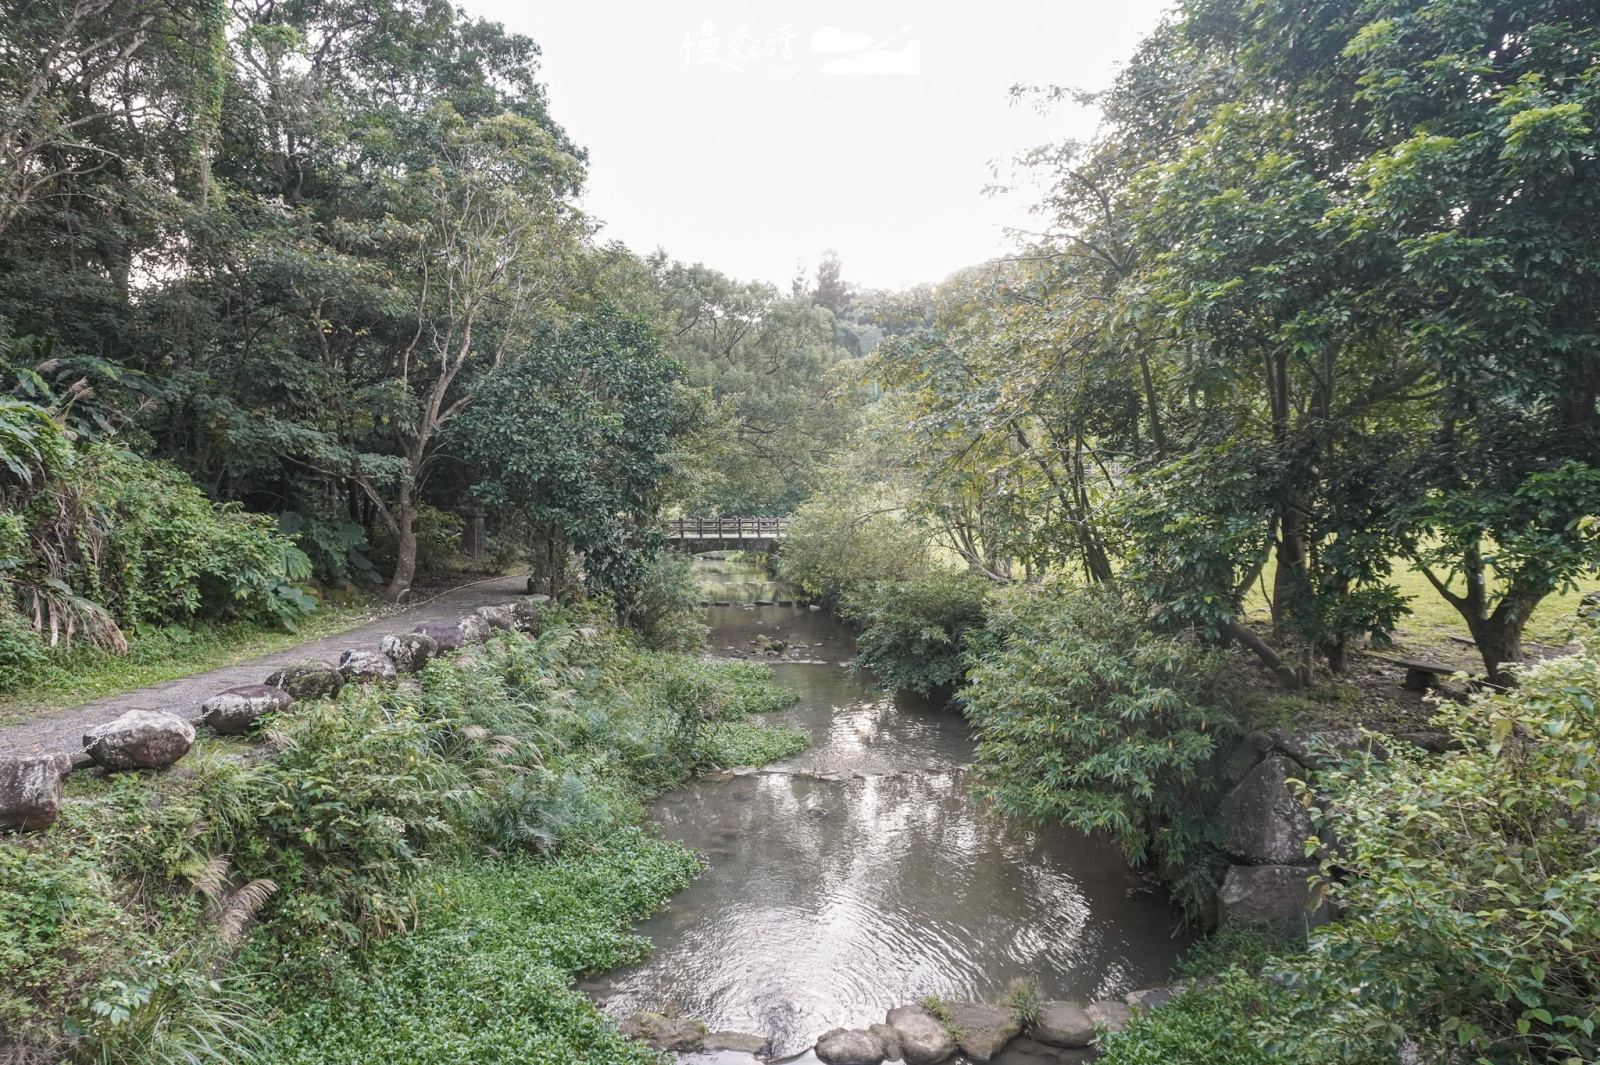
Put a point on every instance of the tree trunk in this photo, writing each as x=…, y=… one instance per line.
x=1498, y=643
x=405, y=552
x=1289, y=678
x=1337, y=653
x=1499, y=635
x=1288, y=584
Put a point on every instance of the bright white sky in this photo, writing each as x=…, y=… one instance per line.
x=707, y=139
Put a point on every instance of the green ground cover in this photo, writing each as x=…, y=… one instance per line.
x=413, y=873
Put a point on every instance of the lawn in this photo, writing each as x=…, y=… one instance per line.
x=1434, y=630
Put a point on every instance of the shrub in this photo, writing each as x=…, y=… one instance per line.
x=337, y=550
x=1211, y=1024
x=663, y=605
x=846, y=537
x=138, y=538
x=540, y=811
x=1471, y=887
x=918, y=635
x=359, y=794
x=1086, y=716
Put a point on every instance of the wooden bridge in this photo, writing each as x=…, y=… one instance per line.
x=694, y=535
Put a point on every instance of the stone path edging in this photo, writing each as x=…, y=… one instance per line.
x=62, y=731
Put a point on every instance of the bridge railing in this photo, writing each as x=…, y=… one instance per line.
x=727, y=528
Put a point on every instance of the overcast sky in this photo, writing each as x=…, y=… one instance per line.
x=753, y=135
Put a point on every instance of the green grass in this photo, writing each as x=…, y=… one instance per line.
x=1429, y=628
x=487, y=977
x=163, y=654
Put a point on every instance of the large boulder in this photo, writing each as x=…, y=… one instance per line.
x=310, y=679
x=499, y=617
x=890, y=1040
x=233, y=712
x=409, y=651
x=367, y=667
x=850, y=1046
x=1111, y=1015
x=1063, y=1024
x=527, y=614
x=1268, y=894
x=1250, y=752
x=1434, y=741
x=982, y=1031
x=924, y=1040
x=30, y=790
x=1264, y=823
x=139, y=739
x=663, y=1032
x=1328, y=747
x=473, y=629
x=447, y=637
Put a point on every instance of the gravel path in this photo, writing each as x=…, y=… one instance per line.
x=63, y=730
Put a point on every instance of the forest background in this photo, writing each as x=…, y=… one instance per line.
x=1309, y=327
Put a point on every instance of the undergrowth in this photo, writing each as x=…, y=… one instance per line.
x=394, y=855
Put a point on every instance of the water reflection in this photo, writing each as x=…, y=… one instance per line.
x=828, y=902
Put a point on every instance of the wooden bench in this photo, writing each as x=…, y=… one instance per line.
x=1420, y=676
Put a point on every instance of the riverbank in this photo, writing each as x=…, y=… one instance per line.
x=864, y=874
x=365, y=854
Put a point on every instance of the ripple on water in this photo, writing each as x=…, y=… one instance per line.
x=833, y=902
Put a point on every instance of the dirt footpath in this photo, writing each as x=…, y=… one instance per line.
x=62, y=730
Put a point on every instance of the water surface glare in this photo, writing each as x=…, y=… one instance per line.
x=829, y=901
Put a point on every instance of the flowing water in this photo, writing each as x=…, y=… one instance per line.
x=862, y=874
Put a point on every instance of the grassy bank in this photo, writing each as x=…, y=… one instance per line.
x=166, y=653
x=414, y=873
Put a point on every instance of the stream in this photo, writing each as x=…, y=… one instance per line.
x=862, y=874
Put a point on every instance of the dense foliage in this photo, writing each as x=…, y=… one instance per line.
x=366, y=818
x=102, y=540
x=1086, y=716
x=919, y=635
x=1467, y=886
x=1317, y=301
x=1471, y=886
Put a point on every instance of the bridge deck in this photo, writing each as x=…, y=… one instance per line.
x=724, y=530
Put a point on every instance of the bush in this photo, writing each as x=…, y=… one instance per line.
x=663, y=606
x=1471, y=887
x=845, y=538
x=138, y=538
x=359, y=795
x=1211, y=1024
x=918, y=635
x=1087, y=717
x=337, y=550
